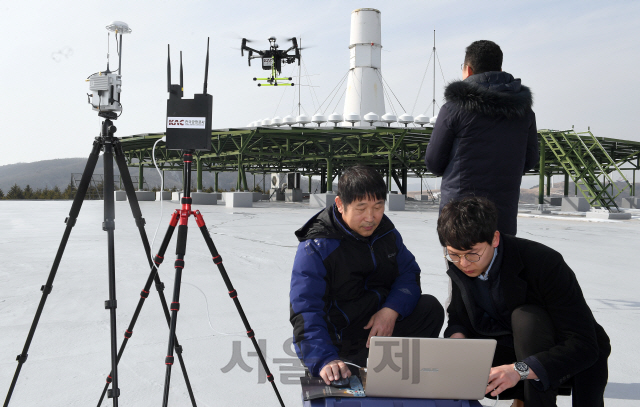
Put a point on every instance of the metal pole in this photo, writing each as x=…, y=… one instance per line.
x=199, y=172
x=566, y=184
x=542, y=165
x=549, y=184
x=633, y=186
x=140, y=176
x=216, y=180
x=434, y=75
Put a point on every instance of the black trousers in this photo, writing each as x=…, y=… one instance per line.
x=425, y=321
x=532, y=333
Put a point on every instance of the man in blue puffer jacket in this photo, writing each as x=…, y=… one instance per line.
x=485, y=135
x=353, y=278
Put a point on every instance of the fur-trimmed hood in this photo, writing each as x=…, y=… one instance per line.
x=492, y=94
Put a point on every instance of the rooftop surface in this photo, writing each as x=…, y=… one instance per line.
x=69, y=357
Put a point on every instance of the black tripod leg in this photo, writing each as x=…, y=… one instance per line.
x=46, y=289
x=234, y=296
x=153, y=276
x=181, y=247
x=109, y=226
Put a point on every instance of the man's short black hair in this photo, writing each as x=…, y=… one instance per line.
x=483, y=56
x=361, y=182
x=466, y=222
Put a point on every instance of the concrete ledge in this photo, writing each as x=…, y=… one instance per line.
x=630, y=202
x=238, y=199
x=146, y=195
x=322, y=200
x=277, y=196
x=265, y=197
x=176, y=196
x=395, y=202
x=120, y=195
x=166, y=196
x=555, y=201
x=293, y=195
x=608, y=215
x=422, y=198
x=575, y=204
x=540, y=210
x=257, y=196
x=204, y=198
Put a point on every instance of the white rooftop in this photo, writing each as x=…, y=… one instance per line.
x=69, y=357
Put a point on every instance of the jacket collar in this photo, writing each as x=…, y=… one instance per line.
x=492, y=94
x=514, y=288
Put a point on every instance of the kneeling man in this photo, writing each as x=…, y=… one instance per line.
x=525, y=296
x=353, y=278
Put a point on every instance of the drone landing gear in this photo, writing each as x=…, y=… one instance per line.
x=274, y=81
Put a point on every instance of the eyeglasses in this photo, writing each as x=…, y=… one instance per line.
x=470, y=257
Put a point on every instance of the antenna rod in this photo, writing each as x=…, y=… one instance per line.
x=181, y=78
x=119, y=54
x=434, y=74
x=168, y=68
x=206, y=69
x=108, y=43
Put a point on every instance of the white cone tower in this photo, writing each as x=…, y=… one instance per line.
x=364, y=87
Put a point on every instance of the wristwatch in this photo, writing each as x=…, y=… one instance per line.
x=522, y=369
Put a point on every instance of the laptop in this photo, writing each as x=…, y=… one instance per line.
x=430, y=368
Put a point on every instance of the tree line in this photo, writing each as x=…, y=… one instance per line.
x=16, y=192
x=94, y=192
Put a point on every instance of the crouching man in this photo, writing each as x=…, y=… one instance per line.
x=353, y=278
x=525, y=296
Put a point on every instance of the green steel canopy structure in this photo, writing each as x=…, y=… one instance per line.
x=397, y=152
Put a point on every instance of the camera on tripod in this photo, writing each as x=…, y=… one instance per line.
x=106, y=86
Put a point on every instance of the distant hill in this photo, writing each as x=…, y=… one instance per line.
x=51, y=173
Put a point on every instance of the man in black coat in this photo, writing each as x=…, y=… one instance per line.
x=485, y=135
x=522, y=294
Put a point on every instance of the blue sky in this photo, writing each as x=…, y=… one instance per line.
x=578, y=57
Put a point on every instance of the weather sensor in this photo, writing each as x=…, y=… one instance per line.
x=106, y=86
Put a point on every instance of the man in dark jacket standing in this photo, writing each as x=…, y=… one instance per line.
x=485, y=135
x=353, y=278
x=525, y=296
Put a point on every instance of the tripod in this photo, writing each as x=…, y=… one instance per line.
x=180, y=218
x=110, y=144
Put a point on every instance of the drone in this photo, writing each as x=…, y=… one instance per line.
x=272, y=60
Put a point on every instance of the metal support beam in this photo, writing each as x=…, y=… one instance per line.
x=140, y=176
x=323, y=180
x=216, y=181
x=542, y=164
x=199, y=173
x=329, y=175
x=404, y=181
x=566, y=184
x=549, y=184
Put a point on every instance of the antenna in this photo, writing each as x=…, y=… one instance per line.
x=181, y=78
x=168, y=68
x=434, y=74
x=206, y=69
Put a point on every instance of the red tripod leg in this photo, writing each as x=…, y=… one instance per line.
x=234, y=296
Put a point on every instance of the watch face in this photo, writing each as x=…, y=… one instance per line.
x=521, y=366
